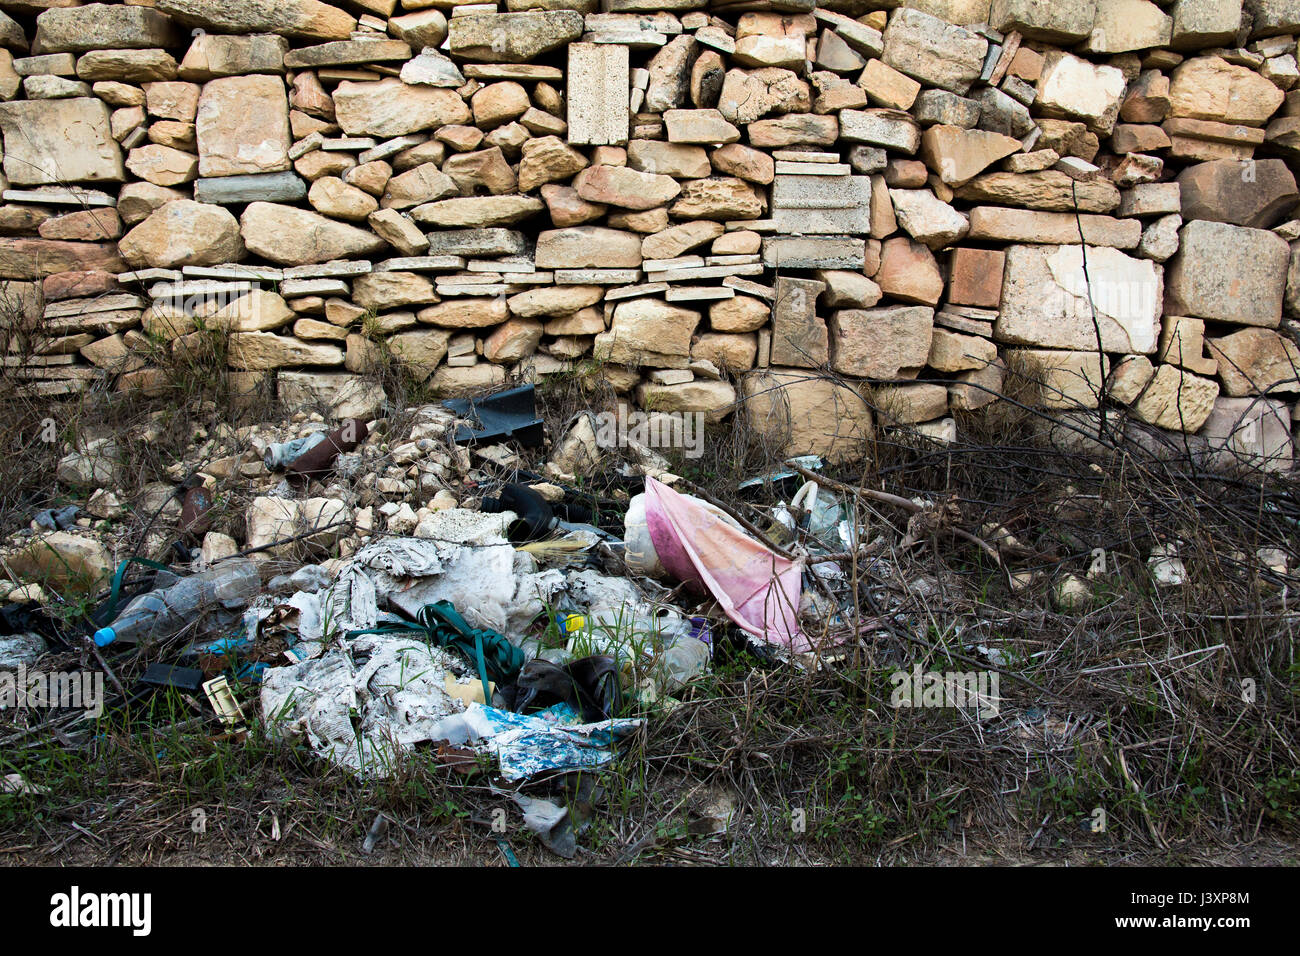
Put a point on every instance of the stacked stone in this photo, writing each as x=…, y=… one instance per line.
x=714, y=199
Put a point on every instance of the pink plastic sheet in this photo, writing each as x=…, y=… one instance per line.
x=757, y=588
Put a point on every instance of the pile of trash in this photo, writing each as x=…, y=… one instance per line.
x=521, y=622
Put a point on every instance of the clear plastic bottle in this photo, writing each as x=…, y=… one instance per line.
x=682, y=660
x=230, y=585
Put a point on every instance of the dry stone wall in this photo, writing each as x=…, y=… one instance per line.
x=721, y=202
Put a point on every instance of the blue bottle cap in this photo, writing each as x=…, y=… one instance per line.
x=105, y=636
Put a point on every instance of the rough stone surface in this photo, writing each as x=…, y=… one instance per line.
x=719, y=198
x=1250, y=433
x=333, y=197
x=390, y=107
x=292, y=236
x=699, y=126
x=932, y=51
x=739, y=314
x=1128, y=378
x=996, y=223
x=477, y=212
x=799, y=335
x=588, y=247
x=626, y=187
x=1255, y=361
x=1210, y=88
x=953, y=352
x=1124, y=25
x=1075, y=88
x=63, y=562
x=808, y=415
x=1046, y=300
x=127, y=66
x=1204, y=23
x=309, y=19
x=102, y=26
x=1177, y=399
x=668, y=159
x=1072, y=380
x=892, y=129
x=212, y=55
x=1259, y=195
x=670, y=75
x=882, y=343
x=958, y=155
x=505, y=193
x=271, y=519
x=547, y=159
x=1228, y=273
x=251, y=351
x=556, y=301
x=975, y=277
x=163, y=165
x=512, y=37
x=1061, y=21
x=908, y=271
x=927, y=219
x=243, y=126
x=59, y=141
x=748, y=95
x=36, y=258
x=654, y=326
x=715, y=399
x=346, y=396
x=184, y=233
x=598, y=110
x=910, y=404
x=467, y=313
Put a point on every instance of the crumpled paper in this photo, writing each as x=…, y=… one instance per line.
x=394, y=687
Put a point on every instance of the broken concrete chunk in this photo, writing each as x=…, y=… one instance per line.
x=799, y=335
